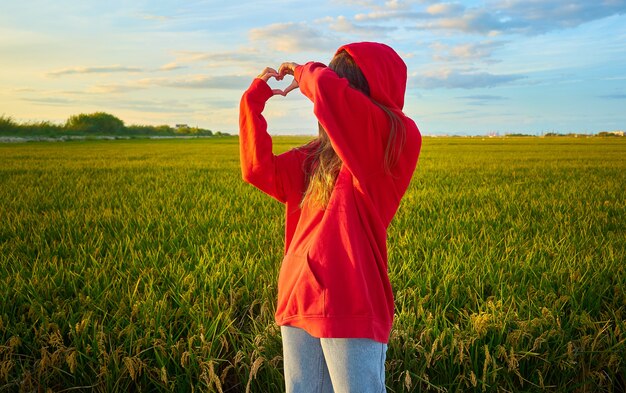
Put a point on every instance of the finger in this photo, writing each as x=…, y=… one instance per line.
x=286, y=68
x=268, y=70
x=268, y=73
x=266, y=76
x=278, y=92
x=294, y=85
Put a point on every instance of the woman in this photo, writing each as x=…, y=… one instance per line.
x=335, y=303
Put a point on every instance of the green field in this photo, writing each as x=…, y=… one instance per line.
x=150, y=266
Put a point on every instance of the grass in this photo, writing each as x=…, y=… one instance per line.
x=150, y=266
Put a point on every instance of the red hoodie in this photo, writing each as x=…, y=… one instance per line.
x=333, y=279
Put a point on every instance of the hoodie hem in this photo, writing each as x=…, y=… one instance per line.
x=340, y=327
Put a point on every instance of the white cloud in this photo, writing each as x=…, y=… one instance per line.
x=452, y=79
x=114, y=88
x=389, y=4
x=398, y=4
x=481, y=51
x=538, y=16
x=343, y=25
x=171, y=67
x=93, y=70
x=222, y=82
x=225, y=82
x=445, y=8
x=472, y=21
x=242, y=58
x=293, y=37
x=391, y=15
x=483, y=99
x=529, y=17
x=156, y=106
x=54, y=101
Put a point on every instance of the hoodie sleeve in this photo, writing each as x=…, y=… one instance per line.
x=272, y=174
x=357, y=128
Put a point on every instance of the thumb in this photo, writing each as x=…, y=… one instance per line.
x=294, y=85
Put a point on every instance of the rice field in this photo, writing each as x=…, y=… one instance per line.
x=148, y=265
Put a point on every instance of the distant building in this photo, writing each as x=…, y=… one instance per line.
x=618, y=133
x=179, y=126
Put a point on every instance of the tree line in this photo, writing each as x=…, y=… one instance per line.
x=98, y=123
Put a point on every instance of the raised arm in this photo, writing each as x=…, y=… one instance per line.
x=358, y=129
x=259, y=166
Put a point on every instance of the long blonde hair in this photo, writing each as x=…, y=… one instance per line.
x=323, y=164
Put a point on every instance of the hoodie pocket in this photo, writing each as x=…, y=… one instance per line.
x=299, y=290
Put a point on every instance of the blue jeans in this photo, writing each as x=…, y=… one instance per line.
x=339, y=365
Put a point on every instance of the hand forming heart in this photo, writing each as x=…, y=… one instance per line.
x=283, y=92
x=285, y=69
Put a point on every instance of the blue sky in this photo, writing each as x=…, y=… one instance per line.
x=475, y=67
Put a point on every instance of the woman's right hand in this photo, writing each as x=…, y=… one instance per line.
x=287, y=68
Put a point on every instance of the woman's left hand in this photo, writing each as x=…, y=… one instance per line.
x=288, y=68
x=268, y=73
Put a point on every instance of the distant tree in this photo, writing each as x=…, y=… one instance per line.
x=164, y=129
x=182, y=130
x=137, y=129
x=98, y=122
x=41, y=128
x=193, y=131
x=517, y=134
x=607, y=133
x=7, y=124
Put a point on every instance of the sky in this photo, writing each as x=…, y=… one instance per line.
x=475, y=67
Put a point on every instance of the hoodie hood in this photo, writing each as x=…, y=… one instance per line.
x=384, y=70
